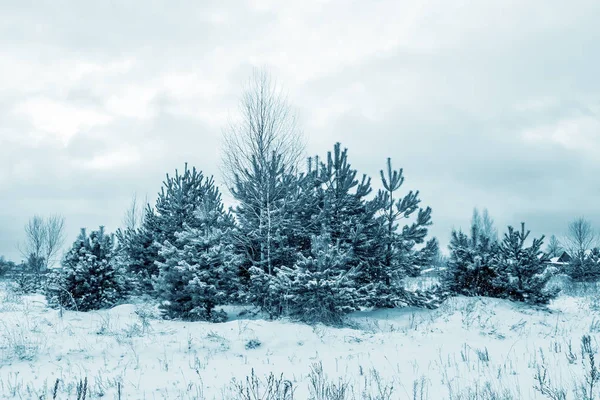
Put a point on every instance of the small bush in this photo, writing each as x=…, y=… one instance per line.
x=253, y=344
x=19, y=343
x=272, y=388
x=88, y=279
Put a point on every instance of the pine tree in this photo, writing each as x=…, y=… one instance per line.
x=347, y=217
x=523, y=271
x=304, y=209
x=137, y=252
x=399, y=257
x=318, y=288
x=6, y=266
x=585, y=268
x=88, y=279
x=175, y=209
x=199, y=268
x=400, y=252
x=471, y=266
x=265, y=195
x=592, y=268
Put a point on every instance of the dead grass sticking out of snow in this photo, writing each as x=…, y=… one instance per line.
x=470, y=348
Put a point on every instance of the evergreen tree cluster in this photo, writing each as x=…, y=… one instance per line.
x=312, y=246
x=479, y=265
x=6, y=266
x=585, y=266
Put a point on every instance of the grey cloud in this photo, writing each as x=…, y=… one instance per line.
x=449, y=103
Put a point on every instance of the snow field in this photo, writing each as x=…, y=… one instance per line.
x=470, y=348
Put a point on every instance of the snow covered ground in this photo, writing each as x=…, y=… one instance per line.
x=470, y=348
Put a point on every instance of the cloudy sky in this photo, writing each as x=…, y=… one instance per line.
x=483, y=103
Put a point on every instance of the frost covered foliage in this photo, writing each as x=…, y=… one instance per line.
x=471, y=266
x=523, y=272
x=174, y=211
x=199, y=268
x=318, y=288
x=88, y=279
x=6, y=266
x=265, y=215
x=479, y=267
x=280, y=214
x=585, y=266
x=399, y=253
x=137, y=252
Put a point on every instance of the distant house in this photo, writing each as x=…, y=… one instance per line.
x=561, y=262
x=563, y=259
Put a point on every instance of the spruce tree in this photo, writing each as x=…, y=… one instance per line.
x=88, y=279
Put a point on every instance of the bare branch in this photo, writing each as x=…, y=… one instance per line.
x=134, y=215
x=580, y=238
x=35, y=238
x=55, y=238
x=554, y=247
x=266, y=125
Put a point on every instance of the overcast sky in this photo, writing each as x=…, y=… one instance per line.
x=483, y=103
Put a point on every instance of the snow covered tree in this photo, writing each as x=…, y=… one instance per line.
x=198, y=274
x=137, y=251
x=471, y=266
x=327, y=200
x=175, y=209
x=523, y=272
x=400, y=253
x=579, y=241
x=318, y=288
x=592, y=261
x=347, y=217
x=265, y=196
x=263, y=193
x=197, y=269
x=6, y=266
x=585, y=268
x=480, y=267
x=88, y=279
x=395, y=256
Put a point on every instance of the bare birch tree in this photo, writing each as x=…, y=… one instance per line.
x=483, y=225
x=580, y=238
x=259, y=149
x=554, y=248
x=44, y=237
x=35, y=238
x=134, y=215
x=266, y=125
x=55, y=238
